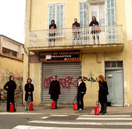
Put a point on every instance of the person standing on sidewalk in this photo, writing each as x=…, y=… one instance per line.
x=54, y=90
x=103, y=92
x=29, y=88
x=80, y=93
x=10, y=86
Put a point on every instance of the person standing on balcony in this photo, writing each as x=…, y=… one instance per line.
x=95, y=28
x=10, y=86
x=80, y=93
x=29, y=88
x=103, y=92
x=54, y=90
x=75, y=27
x=52, y=28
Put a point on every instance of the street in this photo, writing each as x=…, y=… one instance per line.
x=31, y=120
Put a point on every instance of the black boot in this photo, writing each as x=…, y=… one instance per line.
x=56, y=104
x=101, y=108
x=104, y=108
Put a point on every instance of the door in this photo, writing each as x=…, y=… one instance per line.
x=115, y=87
x=67, y=74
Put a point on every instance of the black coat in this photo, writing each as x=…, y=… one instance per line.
x=52, y=25
x=75, y=24
x=93, y=22
x=29, y=88
x=93, y=29
x=103, y=90
x=54, y=90
x=10, y=86
x=81, y=88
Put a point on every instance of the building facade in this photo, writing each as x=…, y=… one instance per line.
x=11, y=61
x=68, y=54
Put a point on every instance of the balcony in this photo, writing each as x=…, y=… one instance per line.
x=104, y=38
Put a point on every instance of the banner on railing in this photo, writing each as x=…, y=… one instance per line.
x=60, y=56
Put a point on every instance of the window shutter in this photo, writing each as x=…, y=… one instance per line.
x=83, y=14
x=60, y=15
x=56, y=12
x=51, y=13
x=111, y=15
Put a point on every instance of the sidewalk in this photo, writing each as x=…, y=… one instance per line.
x=68, y=110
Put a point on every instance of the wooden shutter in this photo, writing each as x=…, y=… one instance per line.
x=83, y=14
x=111, y=15
x=56, y=12
x=51, y=13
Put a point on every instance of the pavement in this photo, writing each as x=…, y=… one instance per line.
x=69, y=110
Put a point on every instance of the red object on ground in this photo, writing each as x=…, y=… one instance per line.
x=30, y=106
x=53, y=105
x=11, y=107
x=75, y=106
x=96, y=110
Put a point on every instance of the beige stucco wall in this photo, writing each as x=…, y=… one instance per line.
x=38, y=20
x=10, y=67
x=128, y=7
x=35, y=74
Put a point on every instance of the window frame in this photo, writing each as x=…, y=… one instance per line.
x=49, y=20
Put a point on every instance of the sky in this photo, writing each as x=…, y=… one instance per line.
x=12, y=19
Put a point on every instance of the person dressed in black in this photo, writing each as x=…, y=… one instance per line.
x=29, y=88
x=80, y=94
x=54, y=90
x=95, y=28
x=75, y=27
x=103, y=92
x=10, y=86
x=52, y=28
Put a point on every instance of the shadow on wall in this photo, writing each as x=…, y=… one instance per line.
x=4, y=77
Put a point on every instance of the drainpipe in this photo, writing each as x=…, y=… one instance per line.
x=28, y=64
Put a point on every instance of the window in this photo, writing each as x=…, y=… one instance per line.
x=114, y=64
x=22, y=56
x=14, y=53
x=83, y=14
x=9, y=52
x=98, y=10
x=56, y=12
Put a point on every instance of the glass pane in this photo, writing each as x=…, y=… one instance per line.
x=113, y=64
x=112, y=3
x=119, y=64
x=85, y=5
x=108, y=3
x=107, y=64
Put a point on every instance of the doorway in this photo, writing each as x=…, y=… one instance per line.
x=114, y=77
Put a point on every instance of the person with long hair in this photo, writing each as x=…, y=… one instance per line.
x=95, y=26
x=10, y=86
x=29, y=88
x=52, y=28
x=103, y=92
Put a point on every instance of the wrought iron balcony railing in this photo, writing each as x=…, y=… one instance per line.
x=73, y=37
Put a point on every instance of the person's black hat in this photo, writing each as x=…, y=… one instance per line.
x=80, y=77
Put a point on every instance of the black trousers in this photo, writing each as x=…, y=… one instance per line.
x=52, y=37
x=94, y=33
x=10, y=100
x=103, y=107
x=80, y=100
